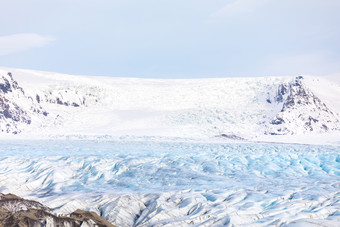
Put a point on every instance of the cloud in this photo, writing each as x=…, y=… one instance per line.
x=240, y=7
x=22, y=42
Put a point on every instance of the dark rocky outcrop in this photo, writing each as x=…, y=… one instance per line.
x=19, y=212
x=12, y=111
x=281, y=91
x=11, y=114
x=16, y=108
x=301, y=111
x=232, y=137
x=65, y=97
x=8, y=84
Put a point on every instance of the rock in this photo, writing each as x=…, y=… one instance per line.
x=18, y=212
x=15, y=107
x=233, y=137
x=301, y=112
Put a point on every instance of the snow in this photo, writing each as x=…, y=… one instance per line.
x=150, y=152
x=326, y=89
x=150, y=183
x=185, y=108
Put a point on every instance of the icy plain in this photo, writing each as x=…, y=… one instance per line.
x=174, y=183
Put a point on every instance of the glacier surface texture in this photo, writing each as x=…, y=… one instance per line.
x=153, y=183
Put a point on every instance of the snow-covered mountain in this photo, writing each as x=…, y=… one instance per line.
x=41, y=103
x=16, y=108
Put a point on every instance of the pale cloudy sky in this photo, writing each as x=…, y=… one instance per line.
x=172, y=38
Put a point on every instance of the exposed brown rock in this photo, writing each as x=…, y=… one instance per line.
x=19, y=212
x=82, y=215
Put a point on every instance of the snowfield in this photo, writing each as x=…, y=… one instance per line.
x=184, y=152
x=42, y=104
x=136, y=183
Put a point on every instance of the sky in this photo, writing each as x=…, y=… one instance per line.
x=172, y=38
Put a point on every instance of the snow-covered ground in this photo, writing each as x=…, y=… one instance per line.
x=251, y=108
x=136, y=183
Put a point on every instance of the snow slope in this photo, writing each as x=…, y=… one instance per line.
x=250, y=108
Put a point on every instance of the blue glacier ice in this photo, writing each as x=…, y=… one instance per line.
x=155, y=183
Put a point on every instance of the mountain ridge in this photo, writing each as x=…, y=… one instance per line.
x=42, y=103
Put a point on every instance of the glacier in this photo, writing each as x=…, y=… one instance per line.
x=171, y=183
x=174, y=152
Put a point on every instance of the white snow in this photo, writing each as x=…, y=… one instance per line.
x=186, y=108
x=327, y=89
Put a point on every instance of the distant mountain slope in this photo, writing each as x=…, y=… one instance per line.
x=16, y=109
x=302, y=111
x=41, y=103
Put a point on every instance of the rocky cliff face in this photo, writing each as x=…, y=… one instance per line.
x=19, y=110
x=16, y=108
x=301, y=111
x=16, y=211
x=67, y=96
